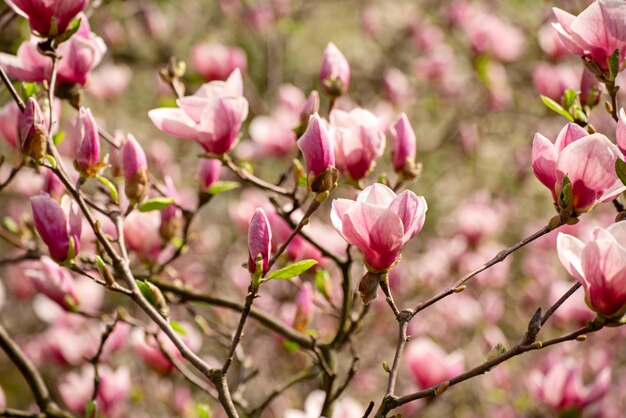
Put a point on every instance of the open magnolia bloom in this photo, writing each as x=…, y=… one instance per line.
x=588, y=161
x=212, y=116
x=379, y=223
x=600, y=266
x=596, y=32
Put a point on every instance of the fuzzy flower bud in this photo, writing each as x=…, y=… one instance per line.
x=135, y=170
x=32, y=130
x=85, y=133
x=259, y=241
x=59, y=228
x=335, y=72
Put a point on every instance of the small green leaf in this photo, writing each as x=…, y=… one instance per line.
x=176, y=326
x=91, y=409
x=554, y=106
x=291, y=270
x=110, y=186
x=29, y=90
x=146, y=291
x=569, y=98
x=302, y=181
x=620, y=169
x=69, y=32
x=52, y=161
x=222, y=186
x=11, y=225
x=566, y=197
x=203, y=410
x=291, y=346
x=58, y=137
x=156, y=203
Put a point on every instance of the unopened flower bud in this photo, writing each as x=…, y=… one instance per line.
x=311, y=107
x=33, y=130
x=335, y=72
x=135, y=170
x=60, y=232
x=304, y=308
x=403, y=145
x=317, y=148
x=85, y=133
x=208, y=173
x=259, y=241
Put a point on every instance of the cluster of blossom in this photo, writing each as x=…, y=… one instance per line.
x=150, y=223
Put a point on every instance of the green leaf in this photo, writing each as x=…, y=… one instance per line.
x=156, y=203
x=110, y=186
x=29, y=90
x=203, y=410
x=554, y=106
x=11, y=225
x=69, y=32
x=614, y=64
x=52, y=161
x=146, y=291
x=566, y=197
x=176, y=326
x=569, y=98
x=620, y=169
x=222, y=186
x=291, y=270
x=58, y=137
x=291, y=346
x=91, y=409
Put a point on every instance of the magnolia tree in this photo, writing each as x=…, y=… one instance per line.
x=244, y=247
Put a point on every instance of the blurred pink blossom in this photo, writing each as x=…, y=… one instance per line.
x=430, y=365
x=214, y=61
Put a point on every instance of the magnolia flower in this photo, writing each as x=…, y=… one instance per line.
x=402, y=144
x=208, y=173
x=335, y=71
x=379, y=223
x=53, y=281
x=588, y=162
x=317, y=146
x=212, y=116
x=620, y=131
x=600, y=266
x=430, y=365
x=259, y=241
x=345, y=407
x=561, y=387
x=85, y=135
x=33, y=130
x=215, y=61
x=48, y=18
x=358, y=141
x=9, y=116
x=596, y=32
x=304, y=307
x=59, y=226
x=80, y=54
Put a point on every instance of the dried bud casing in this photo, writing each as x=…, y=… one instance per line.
x=368, y=287
x=325, y=182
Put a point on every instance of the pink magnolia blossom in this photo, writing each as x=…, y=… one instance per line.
x=214, y=61
x=33, y=129
x=620, y=131
x=561, y=387
x=208, y=173
x=259, y=240
x=9, y=116
x=358, y=141
x=85, y=136
x=590, y=89
x=115, y=386
x=80, y=54
x=335, y=71
x=135, y=167
x=599, y=265
x=59, y=226
x=587, y=160
x=53, y=281
x=141, y=231
x=550, y=43
x=402, y=144
x=397, y=87
x=379, y=223
x=316, y=145
x=48, y=18
x=345, y=407
x=553, y=80
x=150, y=351
x=110, y=81
x=212, y=116
x=273, y=134
x=596, y=32
x=430, y=365
x=304, y=308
